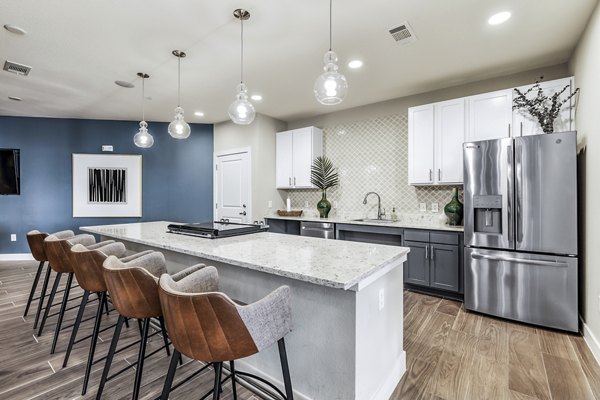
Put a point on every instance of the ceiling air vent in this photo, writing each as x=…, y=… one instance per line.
x=403, y=33
x=15, y=68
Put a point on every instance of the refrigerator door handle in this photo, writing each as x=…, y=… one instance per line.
x=510, y=194
x=519, y=191
x=479, y=256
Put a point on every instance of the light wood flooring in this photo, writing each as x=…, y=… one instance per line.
x=451, y=354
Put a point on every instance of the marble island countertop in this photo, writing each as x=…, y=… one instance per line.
x=412, y=221
x=333, y=263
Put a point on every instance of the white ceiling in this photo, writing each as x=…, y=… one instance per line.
x=79, y=48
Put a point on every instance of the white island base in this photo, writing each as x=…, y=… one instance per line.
x=346, y=344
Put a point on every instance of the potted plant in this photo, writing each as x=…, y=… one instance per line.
x=542, y=107
x=324, y=176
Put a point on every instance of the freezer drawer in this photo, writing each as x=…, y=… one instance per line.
x=530, y=288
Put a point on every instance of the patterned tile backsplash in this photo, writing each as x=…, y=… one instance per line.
x=371, y=155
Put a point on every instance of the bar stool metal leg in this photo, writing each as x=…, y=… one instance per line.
x=33, y=287
x=42, y=296
x=164, y=334
x=88, y=368
x=110, y=355
x=140, y=362
x=217, y=387
x=50, y=301
x=170, y=375
x=232, y=371
x=289, y=393
x=84, y=300
x=61, y=313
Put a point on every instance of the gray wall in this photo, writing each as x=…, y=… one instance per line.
x=177, y=175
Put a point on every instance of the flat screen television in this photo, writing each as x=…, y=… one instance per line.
x=10, y=180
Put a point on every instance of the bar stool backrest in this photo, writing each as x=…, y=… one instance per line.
x=35, y=239
x=133, y=286
x=58, y=250
x=87, y=264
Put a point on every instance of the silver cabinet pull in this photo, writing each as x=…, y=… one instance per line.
x=427, y=252
x=432, y=253
x=290, y=181
x=521, y=128
x=431, y=175
x=294, y=181
x=508, y=130
x=439, y=174
x=479, y=256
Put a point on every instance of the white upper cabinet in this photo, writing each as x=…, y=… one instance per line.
x=420, y=145
x=525, y=124
x=449, y=138
x=489, y=115
x=295, y=152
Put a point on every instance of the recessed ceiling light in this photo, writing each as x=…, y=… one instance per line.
x=15, y=98
x=499, y=18
x=354, y=64
x=125, y=84
x=256, y=97
x=199, y=114
x=15, y=29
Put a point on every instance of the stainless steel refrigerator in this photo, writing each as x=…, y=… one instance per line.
x=521, y=229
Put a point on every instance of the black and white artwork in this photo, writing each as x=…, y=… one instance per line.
x=107, y=185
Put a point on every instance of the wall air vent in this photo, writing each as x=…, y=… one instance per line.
x=16, y=68
x=403, y=33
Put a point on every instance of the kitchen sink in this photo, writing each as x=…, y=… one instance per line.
x=374, y=220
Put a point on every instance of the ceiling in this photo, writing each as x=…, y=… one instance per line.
x=79, y=48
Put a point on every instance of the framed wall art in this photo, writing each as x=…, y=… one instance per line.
x=107, y=185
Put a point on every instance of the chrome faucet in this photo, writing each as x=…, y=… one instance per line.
x=379, y=212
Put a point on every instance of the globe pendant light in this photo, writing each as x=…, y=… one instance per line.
x=331, y=86
x=241, y=111
x=143, y=138
x=179, y=129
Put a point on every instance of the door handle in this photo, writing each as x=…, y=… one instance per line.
x=521, y=128
x=479, y=256
x=508, y=130
x=432, y=253
x=427, y=252
x=431, y=175
x=243, y=213
x=519, y=191
x=290, y=181
x=439, y=174
x=294, y=181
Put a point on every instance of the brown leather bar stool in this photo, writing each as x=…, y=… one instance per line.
x=208, y=326
x=35, y=239
x=58, y=252
x=133, y=288
x=87, y=265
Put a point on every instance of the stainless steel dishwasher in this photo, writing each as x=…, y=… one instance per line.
x=325, y=230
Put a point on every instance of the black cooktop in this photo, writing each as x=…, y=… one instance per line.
x=216, y=229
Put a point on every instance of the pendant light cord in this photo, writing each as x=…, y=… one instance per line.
x=143, y=95
x=330, y=24
x=179, y=80
x=242, y=50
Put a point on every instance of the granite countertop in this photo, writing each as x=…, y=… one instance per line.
x=333, y=263
x=407, y=222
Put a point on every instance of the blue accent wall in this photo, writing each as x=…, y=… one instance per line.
x=177, y=174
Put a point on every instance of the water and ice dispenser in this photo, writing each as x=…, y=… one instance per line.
x=488, y=214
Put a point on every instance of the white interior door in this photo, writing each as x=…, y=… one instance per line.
x=232, y=187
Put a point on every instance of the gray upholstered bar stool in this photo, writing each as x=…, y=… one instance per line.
x=35, y=239
x=133, y=288
x=208, y=326
x=59, y=256
x=87, y=266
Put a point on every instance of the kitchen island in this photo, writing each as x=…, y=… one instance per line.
x=346, y=302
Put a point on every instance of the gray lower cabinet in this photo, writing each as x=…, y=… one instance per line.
x=434, y=260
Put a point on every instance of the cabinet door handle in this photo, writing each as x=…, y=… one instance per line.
x=290, y=181
x=439, y=174
x=521, y=128
x=432, y=253
x=431, y=175
x=294, y=181
x=508, y=130
x=427, y=252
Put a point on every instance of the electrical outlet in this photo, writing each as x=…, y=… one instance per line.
x=335, y=204
x=13, y=237
x=270, y=204
x=306, y=204
x=423, y=207
x=434, y=207
x=381, y=299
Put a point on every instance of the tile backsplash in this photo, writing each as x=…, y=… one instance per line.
x=371, y=155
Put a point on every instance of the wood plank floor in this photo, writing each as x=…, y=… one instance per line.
x=451, y=354
x=454, y=354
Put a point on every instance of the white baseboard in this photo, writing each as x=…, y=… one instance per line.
x=591, y=340
x=16, y=257
x=392, y=380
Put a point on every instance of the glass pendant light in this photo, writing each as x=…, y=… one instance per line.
x=179, y=129
x=241, y=111
x=331, y=86
x=143, y=138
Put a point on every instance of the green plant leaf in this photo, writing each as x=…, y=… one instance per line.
x=323, y=174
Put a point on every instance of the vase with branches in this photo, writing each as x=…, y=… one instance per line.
x=545, y=108
x=323, y=175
